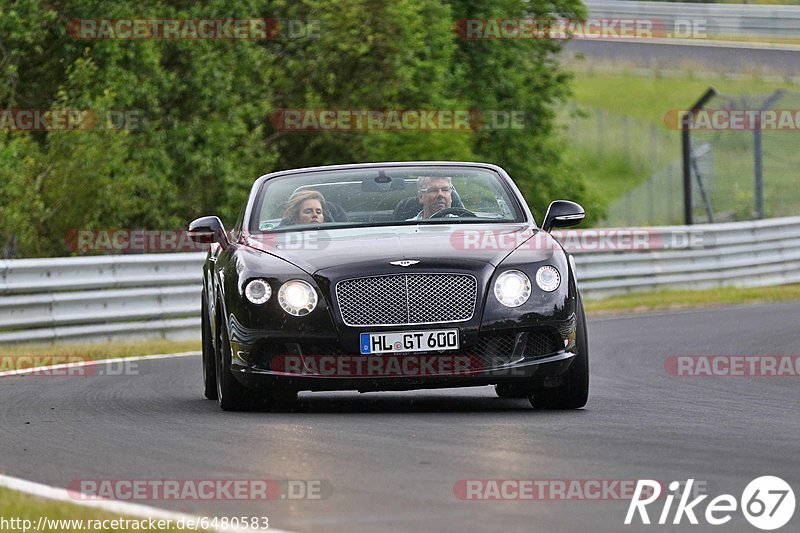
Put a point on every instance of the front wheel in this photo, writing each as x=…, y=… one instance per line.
x=574, y=391
x=209, y=365
x=231, y=395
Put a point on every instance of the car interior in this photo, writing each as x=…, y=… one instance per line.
x=380, y=199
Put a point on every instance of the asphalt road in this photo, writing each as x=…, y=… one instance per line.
x=690, y=55
x=391, y=460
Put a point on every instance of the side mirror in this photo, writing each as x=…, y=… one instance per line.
x=561, y=214
x=207, y=230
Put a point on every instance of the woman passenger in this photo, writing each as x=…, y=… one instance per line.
x=305, y=207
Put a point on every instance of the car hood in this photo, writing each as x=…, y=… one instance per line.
x=358, y=250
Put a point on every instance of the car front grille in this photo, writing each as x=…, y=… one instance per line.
x=403, y=299
x=499, y=350
x=541, y=343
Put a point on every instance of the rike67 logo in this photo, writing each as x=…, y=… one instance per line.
x=767, y=503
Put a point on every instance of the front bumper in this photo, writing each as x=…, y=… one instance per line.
x=531, y=372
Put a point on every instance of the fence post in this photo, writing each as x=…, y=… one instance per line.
x=758, y=155
x=686, y=142
x=758, y=168
x=687, y=169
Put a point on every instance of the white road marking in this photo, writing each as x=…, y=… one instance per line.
x=111, y=506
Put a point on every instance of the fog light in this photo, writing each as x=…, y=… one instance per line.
x=547, y=278
x=258, y=291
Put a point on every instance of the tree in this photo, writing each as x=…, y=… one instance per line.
x=203, y=107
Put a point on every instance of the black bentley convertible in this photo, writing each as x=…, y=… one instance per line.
x=391, y=276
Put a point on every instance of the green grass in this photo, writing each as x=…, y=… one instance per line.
x=648, y=98
x=756, y=39
x=607, y=177
x=65, y=353
x=15, y=504
x=668, y=299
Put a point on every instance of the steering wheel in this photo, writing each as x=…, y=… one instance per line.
x=457, y=211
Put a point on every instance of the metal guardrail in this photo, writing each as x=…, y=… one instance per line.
x=104, y=298
x=741, y=254
x=720, y=20
x=100, y=298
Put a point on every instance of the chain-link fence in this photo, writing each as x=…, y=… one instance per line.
x=745, y=161
x=644, y=146
x=645, y=153
x=657, y=201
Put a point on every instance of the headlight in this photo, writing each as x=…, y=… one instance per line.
x=297, y=297
x=258, y=291
x=512, y=288
x=547, y=278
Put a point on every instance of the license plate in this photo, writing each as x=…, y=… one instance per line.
x=409, y=341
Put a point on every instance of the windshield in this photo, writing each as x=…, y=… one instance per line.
x=384, y=196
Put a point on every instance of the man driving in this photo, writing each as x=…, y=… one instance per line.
x=434, y=194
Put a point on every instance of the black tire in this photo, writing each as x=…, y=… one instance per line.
x=232, y=395
x=209, y=365
x=284, y=396
x=509, y=391
x=573, y=393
